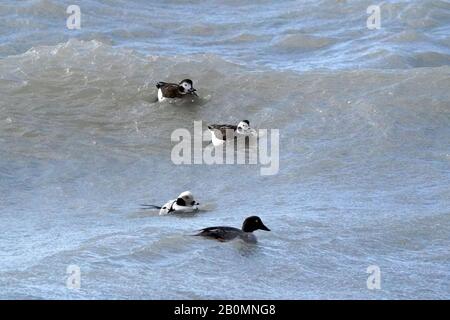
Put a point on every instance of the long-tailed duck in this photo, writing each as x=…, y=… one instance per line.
x=185, y=203
x=222, y=132
x=229, y=233
x=173, y=90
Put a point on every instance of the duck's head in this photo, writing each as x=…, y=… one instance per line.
x=243, y=127
x=253, y=223
x=186, y=86
x=186, y=199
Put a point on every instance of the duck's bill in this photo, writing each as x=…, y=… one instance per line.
x=192, y=91
x=263, y=227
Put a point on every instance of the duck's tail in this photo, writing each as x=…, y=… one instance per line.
x=160, y=84
x=199, y=233
x=150, y=206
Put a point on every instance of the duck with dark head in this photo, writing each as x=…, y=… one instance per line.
x=250, y=224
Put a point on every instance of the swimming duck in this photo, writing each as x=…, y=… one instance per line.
x=219, y=131
x=229, y=233
x=173, y=90
x=185, y=203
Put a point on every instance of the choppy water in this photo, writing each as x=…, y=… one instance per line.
x=364, y=118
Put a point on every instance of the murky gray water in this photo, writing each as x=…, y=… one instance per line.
x=364, y=119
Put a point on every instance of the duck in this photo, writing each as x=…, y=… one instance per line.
x=184, y=203
x=220, y=133
x=223, y=234
x=174, y=90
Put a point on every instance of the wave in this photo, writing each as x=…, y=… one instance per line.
x=91, y=85
x=306, y=35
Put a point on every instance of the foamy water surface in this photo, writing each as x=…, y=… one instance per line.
x=364, y=120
